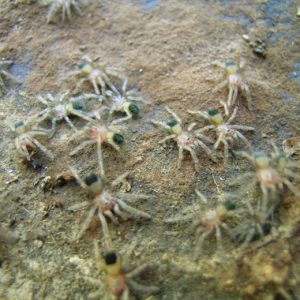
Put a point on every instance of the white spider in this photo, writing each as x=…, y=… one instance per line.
x=226, y=133
x=26, y=142
x=123, y=102
x=59, y=108
x=106, y=203
x=186, y=140
x=65, y=6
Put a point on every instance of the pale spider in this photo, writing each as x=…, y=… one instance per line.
x=3, y=73
x=235, y=82
x=123, y=102
x=226, y=133
x=255, y=225
x=208, y=220
x=271, y=175
x=97, y=76
x=96, y=132
x=26, y=142
x=106, y=203
x=118, y=280
x=65, y=6
x=59, y=108
x=186, y=140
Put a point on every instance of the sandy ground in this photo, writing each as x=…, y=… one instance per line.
x=166, y=48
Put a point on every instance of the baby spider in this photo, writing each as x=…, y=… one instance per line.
x=235, y=82
x=97, y=76
x=65, y=6
x=119, y=281
x=207, y=221
x=255, y=226
x=270, y=175
x=186, y=140
x=3, y=73
x=226, y=133
x=107, y=203
x=25, y=141
x=58, y=108
x=96, y=132
x=122, y=102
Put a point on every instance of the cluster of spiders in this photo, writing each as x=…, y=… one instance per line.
x=270, y=176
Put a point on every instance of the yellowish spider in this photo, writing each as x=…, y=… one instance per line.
x=106, y=203
x=96, y=132
x=59, y=108
x=123, y=102
x=209, y=220
x=98, y=76
x=235, y=83
x=226, y=133
x=186, y=140
x=3, y=73
x=26, y=142
x=118, y=281
x=271, y=175
x=65, y=6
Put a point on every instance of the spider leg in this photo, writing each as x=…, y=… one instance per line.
x=134, y=197
x=147, y=289
x=78, y=179
x=247, y=95
x=121, y=214
x=291, y=187
x=110, y=215
x=175, y=116
x=105, y=230
x=77, y=7
x=68, y=10
x=127, y=117
x=95, y=86
x=194, y=157
x=132, y=211
x=81, y=146
x=226, y=152
x=207, y=150
x=162, y=124
x=180, y=157
x=87, y=222
x=120, y=179
x=233, y=115
x=100, y=158
x=67, y=119
x=43, y=149
x=169, y=137
x=200, y=241
x=230, y=95
x=244, y=139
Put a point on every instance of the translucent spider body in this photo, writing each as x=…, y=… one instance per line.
x=123, y=102
x=207, y=221
x=235, y=82
x=118, y=281
x=65, y=6
x=96, y=132
x=97, y=76
x=186, y=140
x=59, y=108
x=271, y=175
x=3, y=73
x=26, y=142
x=226, y=133
x=257, y=223
x=107, y=203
